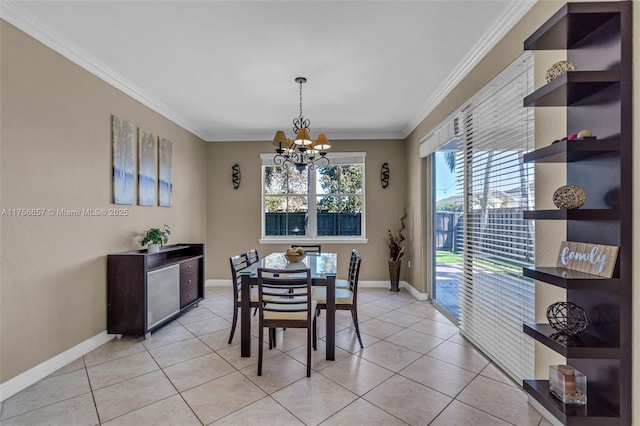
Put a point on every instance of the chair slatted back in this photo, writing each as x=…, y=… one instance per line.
x=309, y=248
x=253, y=256
x=354, y=273
x=237, y=263
x=273, y=283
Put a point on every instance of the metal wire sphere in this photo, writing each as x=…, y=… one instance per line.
x=567, y=318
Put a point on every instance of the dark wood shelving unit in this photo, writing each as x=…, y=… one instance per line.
x=575, y=214
x=574, y=150
x=571, y=280
x=597, y=97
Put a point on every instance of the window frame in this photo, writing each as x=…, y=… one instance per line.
x=336, y=158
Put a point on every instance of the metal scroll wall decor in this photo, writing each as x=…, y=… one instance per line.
x=235, y=175
x=384, y=175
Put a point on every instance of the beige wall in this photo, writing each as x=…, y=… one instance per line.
x=56, y=153
x=234, y=216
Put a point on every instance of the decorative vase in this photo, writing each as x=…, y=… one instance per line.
x=394, y=274
x=153, y=248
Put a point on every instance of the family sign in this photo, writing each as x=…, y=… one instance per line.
x=596, y=259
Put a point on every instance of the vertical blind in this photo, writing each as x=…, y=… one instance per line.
x=494, y=131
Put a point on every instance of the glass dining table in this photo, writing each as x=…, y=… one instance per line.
x=323, y=268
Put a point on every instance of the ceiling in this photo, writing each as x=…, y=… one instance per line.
x=225, y=70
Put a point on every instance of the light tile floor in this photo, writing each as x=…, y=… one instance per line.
x=415, y=369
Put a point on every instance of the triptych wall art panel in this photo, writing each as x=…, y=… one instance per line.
x=146, y=168
x=155, y=186
x=164, y=173
x=124, y=161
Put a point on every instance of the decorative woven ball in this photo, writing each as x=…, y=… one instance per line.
x=567, y=318
x=569, y=197
x=558, y=69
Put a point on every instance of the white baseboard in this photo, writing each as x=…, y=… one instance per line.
x=217, y=283
x=364, y=284
x=42, y=370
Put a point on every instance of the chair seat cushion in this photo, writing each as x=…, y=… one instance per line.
x=288, y=312
x=344, y=296
x=253, y=293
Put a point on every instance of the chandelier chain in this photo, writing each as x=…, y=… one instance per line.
x=300, y=122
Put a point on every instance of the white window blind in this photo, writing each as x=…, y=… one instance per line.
x=494, y=131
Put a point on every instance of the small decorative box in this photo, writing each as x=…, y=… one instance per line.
x=568, y=384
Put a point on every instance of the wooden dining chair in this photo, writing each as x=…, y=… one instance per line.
x=253, y=256
x=309, y=248
x=346, y=298
x=295, y=310
x=238, y=263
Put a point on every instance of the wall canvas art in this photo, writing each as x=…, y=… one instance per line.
x=165, y=185
x=124, y=161
x=146, y=168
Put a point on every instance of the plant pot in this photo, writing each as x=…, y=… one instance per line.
x=394, y=274
x=153, y=248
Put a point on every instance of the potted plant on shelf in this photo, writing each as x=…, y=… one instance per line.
x=394, y=241
x=156, y=238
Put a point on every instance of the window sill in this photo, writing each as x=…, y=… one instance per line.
x=317, y=240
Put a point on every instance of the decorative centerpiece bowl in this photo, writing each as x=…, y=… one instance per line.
x=294, y=258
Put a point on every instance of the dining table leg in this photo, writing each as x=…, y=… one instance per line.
x=245, y=315
x=331, y=317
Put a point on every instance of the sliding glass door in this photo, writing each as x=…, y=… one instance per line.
x=480, y=240
x=447, y=225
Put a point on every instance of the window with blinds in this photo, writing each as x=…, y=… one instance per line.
x=481, y=251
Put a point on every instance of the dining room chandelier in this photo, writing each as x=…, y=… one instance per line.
x=303, y=151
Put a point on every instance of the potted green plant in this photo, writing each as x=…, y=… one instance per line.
x=156, y=238
x=394, y=241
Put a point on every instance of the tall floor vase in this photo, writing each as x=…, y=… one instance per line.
x=394, y=274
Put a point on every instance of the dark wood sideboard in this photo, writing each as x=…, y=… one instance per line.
x=147, y=290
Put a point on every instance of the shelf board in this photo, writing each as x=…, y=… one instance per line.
x=568, y=151
x=571, y=88
x=172, y=261
x=572, y=23
x=594, y=413
x=574, y=214
x=571, y=280
x=582, y=345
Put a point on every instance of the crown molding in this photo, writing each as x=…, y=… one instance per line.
x=267, y=135
x=511, y=16
x=14, y=14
